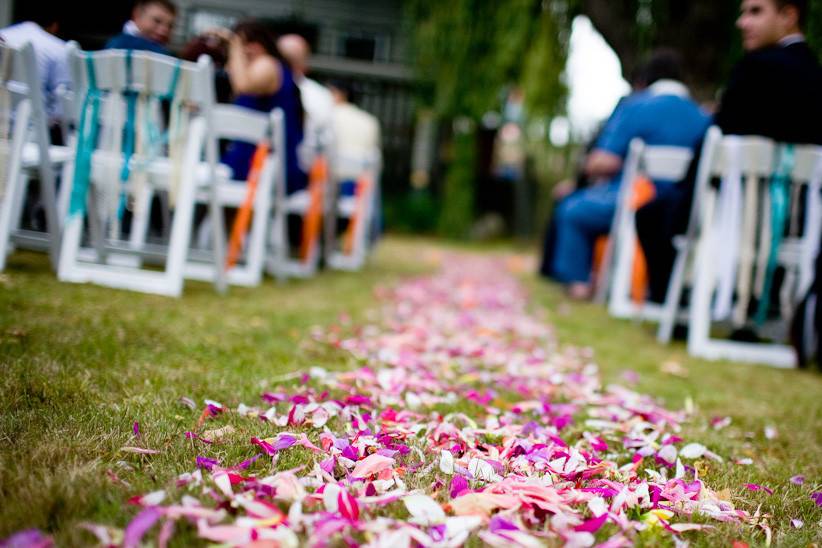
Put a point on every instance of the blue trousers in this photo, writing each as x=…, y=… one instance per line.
x=580, y=219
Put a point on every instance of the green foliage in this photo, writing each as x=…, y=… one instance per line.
x=543, y=65
x=469, y=50
x=815, y=26
x=458, y=193
x=416, y=211
x=81, y=364
x=466, y=52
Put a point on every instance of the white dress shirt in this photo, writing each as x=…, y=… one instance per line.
x=52, y=60
x=357, y=139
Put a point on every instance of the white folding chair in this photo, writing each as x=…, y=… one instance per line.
x=236, y=123
x=657, y=163
x=746, y=166
x=122, y=158
x=27, y=151
x=349, y=250
x=281, y=261
x=685, y=244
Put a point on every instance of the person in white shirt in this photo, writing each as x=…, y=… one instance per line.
x=51, y=54
x=316, y=99
x=356, y=131
x=357, y=145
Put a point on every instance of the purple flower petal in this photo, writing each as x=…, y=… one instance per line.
x=756, y=487
x=328, y=465
x=500, y=524
x=458, y=485
x=138, y=527
x=592, y=525
x=817, y=498
x=207, y=463
x=798, y=480
x=29, y=538
x=284, y=441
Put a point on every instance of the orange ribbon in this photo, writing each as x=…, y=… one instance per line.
x=363, y=185
x=313, y=216
x=243, y=219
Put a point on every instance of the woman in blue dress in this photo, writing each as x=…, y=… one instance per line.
x=262, y=80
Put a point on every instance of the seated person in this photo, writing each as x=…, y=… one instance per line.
x=262, y=80
x=149, y=28
x=567, y=186
x=358, y=136
x=663, y=114
x=52, y=59
x=316, y=99
x=773, y=91
x=216, y=48
x=357, y=139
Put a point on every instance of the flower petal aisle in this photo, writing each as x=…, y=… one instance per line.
x=464, y=419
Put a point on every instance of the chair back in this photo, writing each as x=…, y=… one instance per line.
x=146, y=73
x=23, y=108
x=763, y=225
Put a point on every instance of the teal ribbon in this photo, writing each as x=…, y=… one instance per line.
x=130, y=133
x=89, y=129
x=87, y=132
x=156, y=138
x=780, y=197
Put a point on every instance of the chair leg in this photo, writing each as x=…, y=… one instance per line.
x=95, y=226
x=10, y=213
x=218, y=241
x=672, y=297
x=48, y=194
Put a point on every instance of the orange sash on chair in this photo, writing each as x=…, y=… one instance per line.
x=644, y=192
x=243, y=219
x=363, y=185
x=313, y=217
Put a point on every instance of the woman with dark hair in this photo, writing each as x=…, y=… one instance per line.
x=262, y=80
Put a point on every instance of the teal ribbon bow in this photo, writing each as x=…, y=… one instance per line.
x=779, y=192
x=87, y=132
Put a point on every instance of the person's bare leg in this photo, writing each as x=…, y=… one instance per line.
x=579, y=291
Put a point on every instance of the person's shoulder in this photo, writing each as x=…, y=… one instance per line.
x=778, y=56
x=20, y=33
x=116, y=40
x=129, y=41
x=317, y=88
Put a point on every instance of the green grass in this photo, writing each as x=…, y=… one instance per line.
x=752, y=396
x=81, y=364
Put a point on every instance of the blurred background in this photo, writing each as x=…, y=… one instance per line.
x=483, y=104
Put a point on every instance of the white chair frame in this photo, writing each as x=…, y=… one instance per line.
x=668, y=163
x=152, y=73
x=346, y=207
x=279, y=262
x=796, y=254
x=30, y=151
x=237, y=123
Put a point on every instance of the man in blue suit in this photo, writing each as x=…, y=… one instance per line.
x=662, y=114
x=773, y=91
x=149, y=28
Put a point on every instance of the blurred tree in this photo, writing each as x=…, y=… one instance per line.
x=815, y=26
x=701, y=30
x=466, y=52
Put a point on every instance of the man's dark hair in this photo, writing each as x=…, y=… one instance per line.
x=345, y=88
x=664, y=64
x=55, y=13
x=168, y=5
x=801, y=8
x=254, y=32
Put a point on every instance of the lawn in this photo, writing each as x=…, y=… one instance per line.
x=82, y=364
